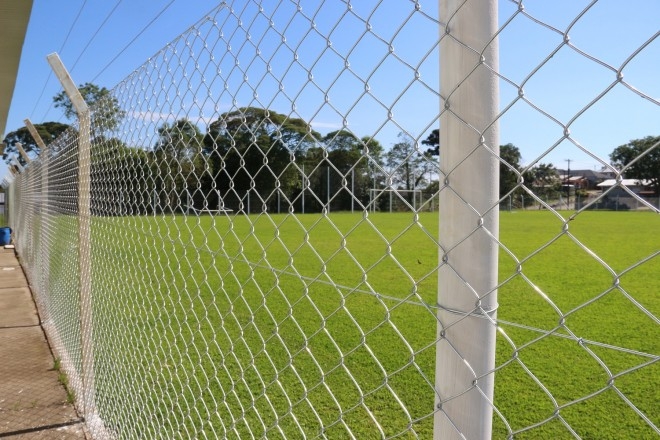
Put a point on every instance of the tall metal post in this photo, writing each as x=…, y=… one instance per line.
x=44, y=254
x=304, y=187
x=352, y=190
x=469, y=219
x=84, y=234
x=328, y=184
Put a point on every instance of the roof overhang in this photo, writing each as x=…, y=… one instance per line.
x=14, y=18
x=624, y=182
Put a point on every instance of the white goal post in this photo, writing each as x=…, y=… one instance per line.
x=396, y=199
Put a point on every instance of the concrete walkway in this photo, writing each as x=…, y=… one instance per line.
x=33, y=402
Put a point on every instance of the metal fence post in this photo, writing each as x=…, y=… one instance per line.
x=469, y=219
x=10, y=193
x=84, y=234
x=44, y=255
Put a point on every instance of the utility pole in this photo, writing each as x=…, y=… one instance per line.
x=568, y=184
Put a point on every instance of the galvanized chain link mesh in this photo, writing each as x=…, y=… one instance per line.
x=265, y=263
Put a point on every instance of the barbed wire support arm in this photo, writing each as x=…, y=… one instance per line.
x=35, y=134
x=21, y=150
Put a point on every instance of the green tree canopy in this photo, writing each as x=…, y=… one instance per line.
x=509, y=168
x=345, y=167
x=639, y=159
x=48, y=132
x=544, y=179
x=181, y=140
x=107, y=114
x=248, y=126
x=408, y=166
x=180, y=162
x=252, y=152
x=113, y=165
x=433, y=141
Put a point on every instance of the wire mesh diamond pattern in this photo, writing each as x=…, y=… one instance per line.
x=264, y=232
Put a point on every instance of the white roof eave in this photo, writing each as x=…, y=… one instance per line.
x=14, y=18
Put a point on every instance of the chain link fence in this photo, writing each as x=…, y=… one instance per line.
x=254, y=252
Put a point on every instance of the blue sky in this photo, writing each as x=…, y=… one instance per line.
x=105, y=41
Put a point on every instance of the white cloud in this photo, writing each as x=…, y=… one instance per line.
x=327, y=125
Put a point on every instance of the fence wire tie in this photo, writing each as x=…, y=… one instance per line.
x=479, y=313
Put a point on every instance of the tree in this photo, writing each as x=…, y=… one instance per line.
x=252, y=152
x=180, y=163
x=545, y=179
x=433, y=141
x=509, y=169
x=48, y=132
x=639, y=159
x=408, y=167
x=341, y=169
x=515, y=181
x=122, y=179
x=106, y=111
x=181, y=140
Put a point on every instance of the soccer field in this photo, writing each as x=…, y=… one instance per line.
x=286, y=326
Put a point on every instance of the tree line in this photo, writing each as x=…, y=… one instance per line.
x=249, y=159
x=253, y=159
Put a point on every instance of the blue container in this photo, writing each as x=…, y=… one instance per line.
x=5, y=236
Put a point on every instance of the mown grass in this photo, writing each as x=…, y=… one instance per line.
x=290, y=326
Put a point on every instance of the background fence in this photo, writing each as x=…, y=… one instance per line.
x=258, y=255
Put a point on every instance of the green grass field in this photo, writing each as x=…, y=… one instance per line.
x=309, y=326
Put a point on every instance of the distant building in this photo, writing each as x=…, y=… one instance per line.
x=639, y=187
x=585, y=179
